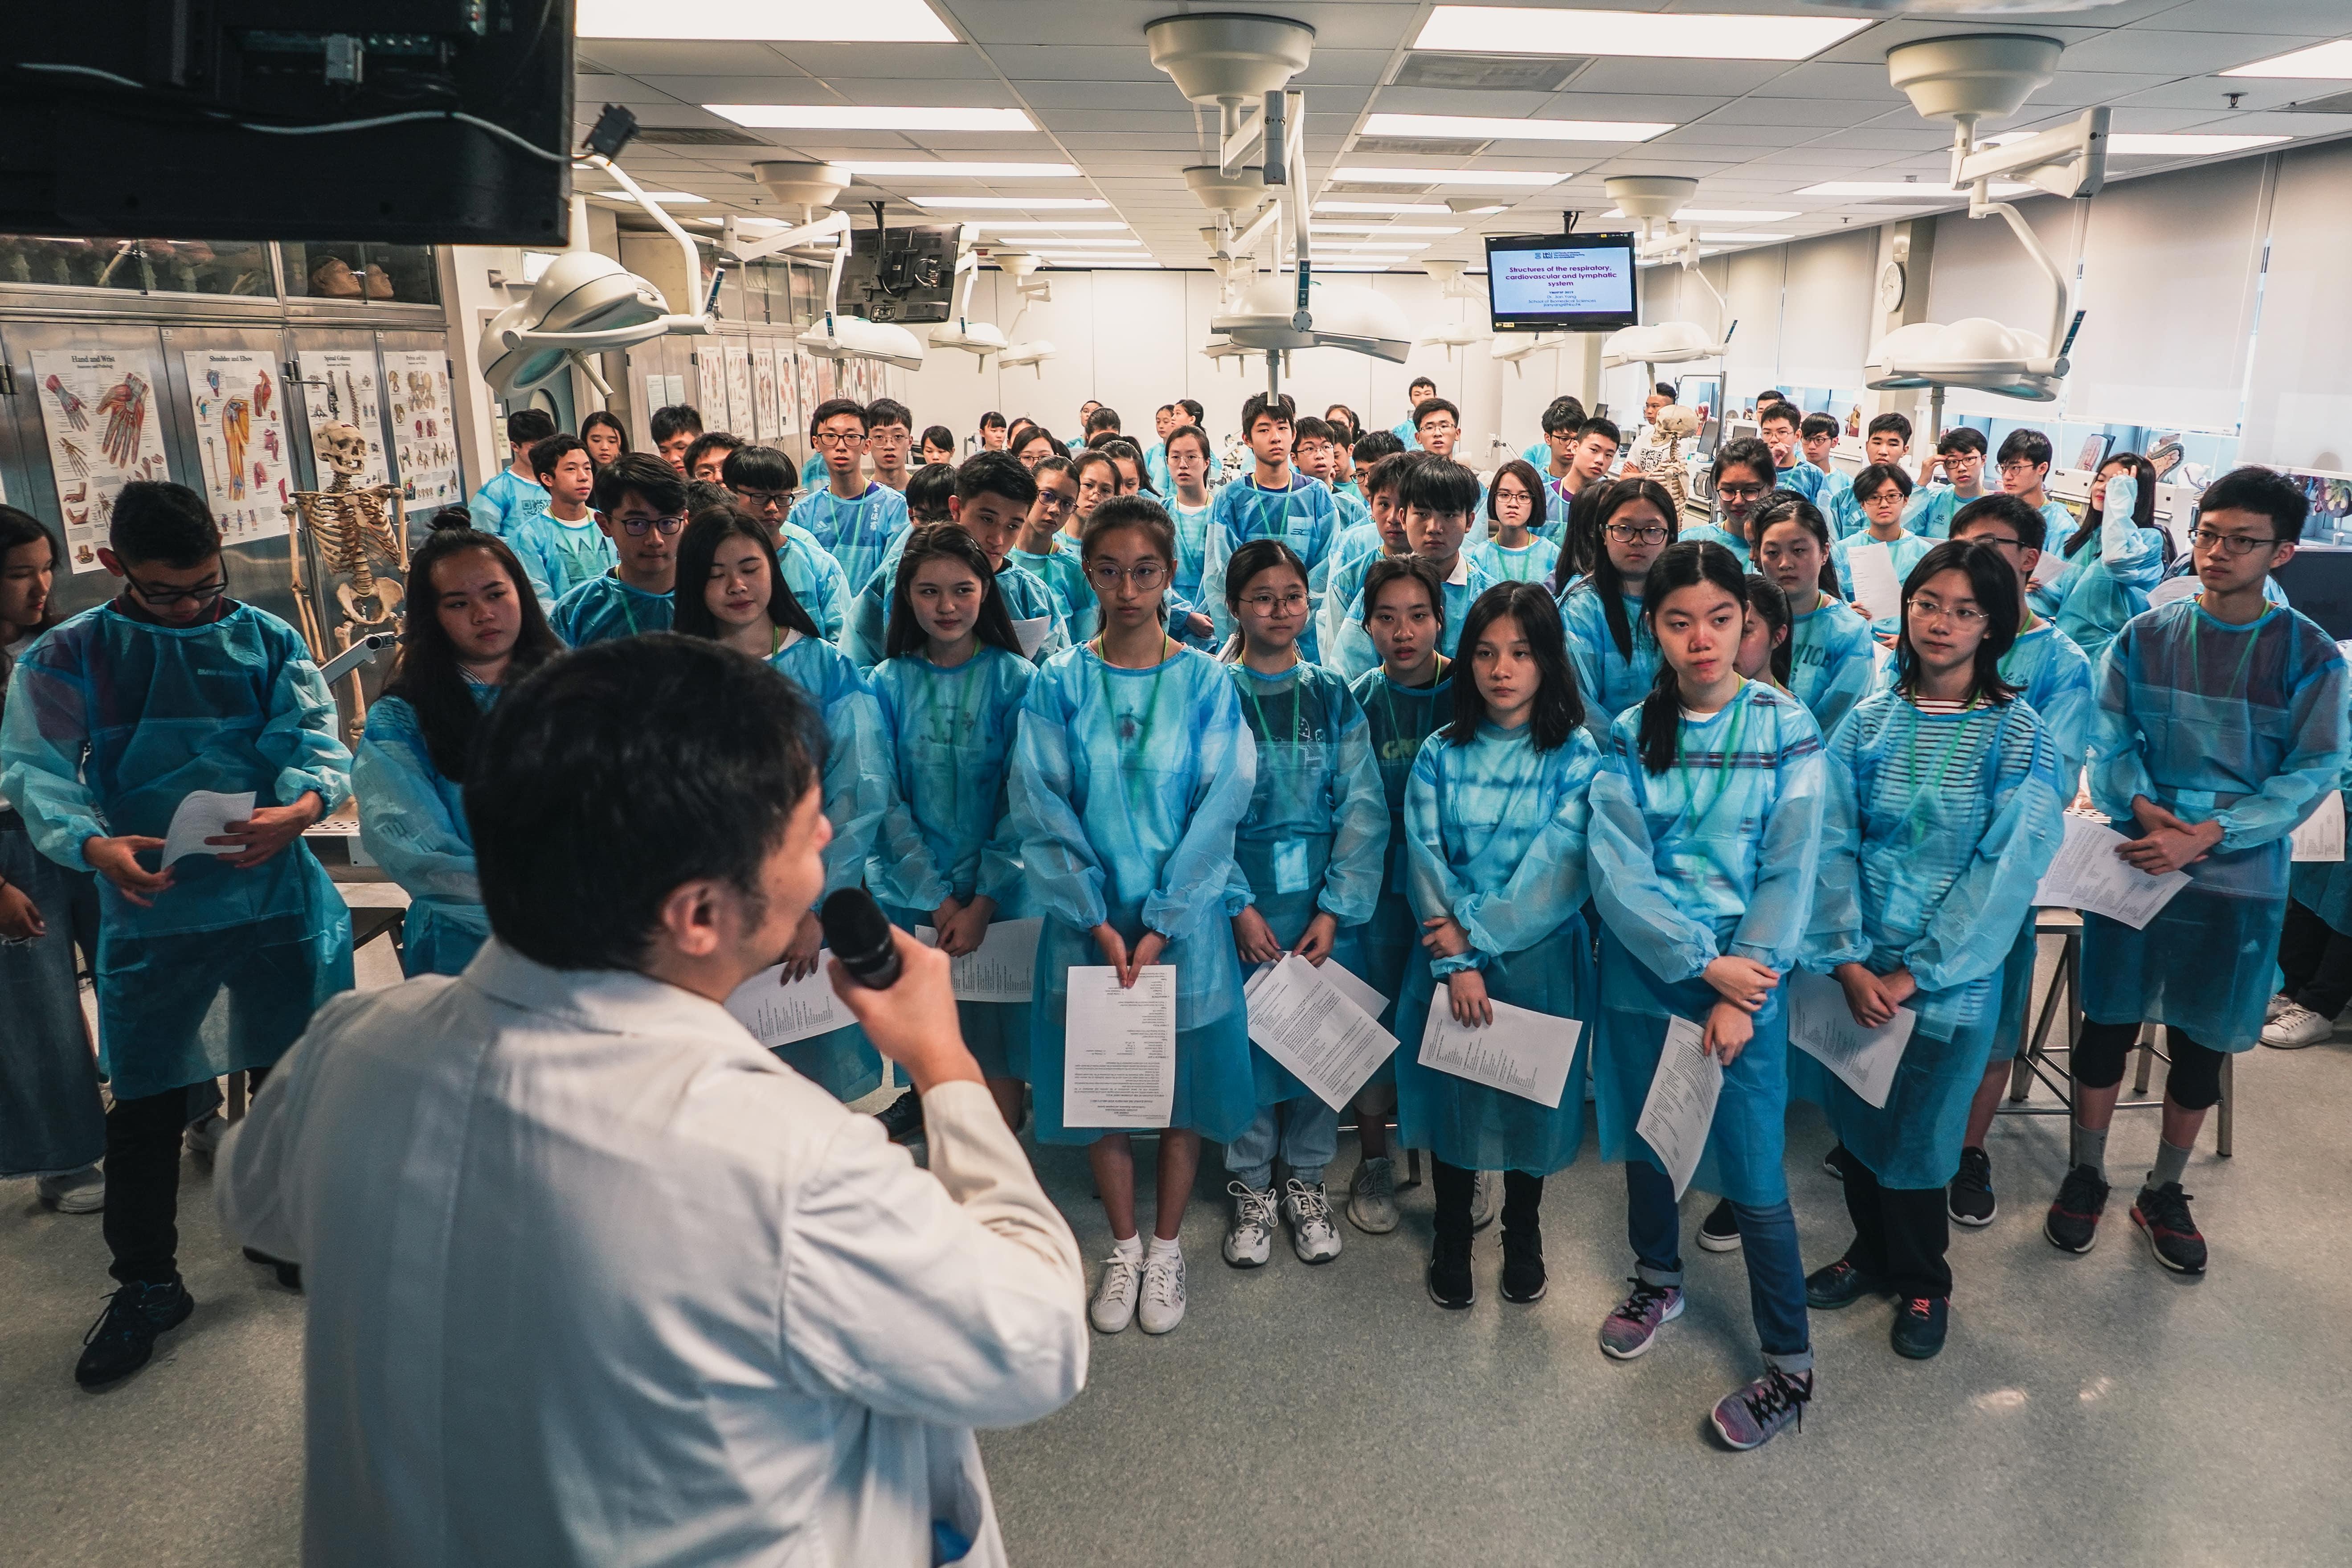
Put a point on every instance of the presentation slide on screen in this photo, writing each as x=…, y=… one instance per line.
x=1569, y=281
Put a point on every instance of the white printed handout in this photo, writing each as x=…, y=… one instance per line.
x=1001, y=969
x=2052, y=566
x=424, y=431
x=204, y=813
x=779, y=1014
x=1032, y=633
x=339, y=388
x=1119, y=1065
x=240, y=434
x=1681, y=1105
x=2171, y=588
x=2087, y=874
x=98, y=409
x=1822, y=1026
x=1297, y=1017
x=1522, y=1052
x=2320, y=837
x=1876, y=589
x=1354, y=988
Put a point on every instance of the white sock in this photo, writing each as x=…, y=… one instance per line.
x=1130, y=1247
x=1166, y=1248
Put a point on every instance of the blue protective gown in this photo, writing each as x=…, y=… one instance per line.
x=1128, y=786
x=605, y=607
x=815, y=579
x=1495, y=835
x=1356, y=657
x=1352, y=554
x=1608, y=680
x=1713, y=531
x=505, y=503
x=947, y=830
x=1155, y=469
x=1303, y=515
x=1531, y=562
x=559, y=556
x=857, y=533
x=1843, y=512
x=1406, y=431
x=1833, y=659
x=1191, y=545
x=2244, y=725
x=110, y=723
x=1804, y=479
x=1315, y=838
x=1929, y=511
x=2323, y=886
x=858, y=790
x=1909, y=550
x=2105, y=582
x=1026, y=597
x=1401, y=718
x=412, y=823
x=1065, y=576
x=1717, y=856
x=1939, y=827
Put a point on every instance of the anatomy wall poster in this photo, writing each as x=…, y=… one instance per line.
x=739, y=414
x=804, y=379
x=98, y=407
x=768, y=417
x=240, y=431
x=339, y=386
x=424, y=430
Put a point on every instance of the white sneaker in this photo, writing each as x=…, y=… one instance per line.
x=2277, y=1004
x=1371, y=1196
x=1163, y=1292
x=1114, y=1303
x=205, y=1137
x=2296, y=1027
x=1483, y=1202
x=74, y=1192
x=1312, y=1235
x=1249, y=1229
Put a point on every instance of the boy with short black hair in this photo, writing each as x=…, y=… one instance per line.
x=513, y=495
x=763, y=480
x=640, y=504
x=114, y=719
x=1562, y=418
x=1436, y=425
x=706, y=459
x=890, y=441
x=1341, y=633
x=929, y=492
x=1275, y=500
x=1590, y=455
x=855, y=521
x=1440, y=500
x=993, y=494
x=1315, y=450
x=563, y=547
x=1408, y=429
x=1886, y=440
x=1960, y=456
x=2024, y=459
x=1778, y=426
x=2220, y=720
x=1818, y=434
x=675, y=426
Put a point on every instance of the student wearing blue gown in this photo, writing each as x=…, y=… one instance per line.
x=1879, y=490
x=945, y=856
x=763, y=480
x=1517, y=552
x=1833, y=658
x=1495, y=820
x=1439, y=500
x=1609, y=641
x=1960, y=453
x=640, y=503
x=1887, y=440
x=474, y=627
x=1051, y=556
x=727, y=567
x=1133, y=769
x=1308, y=859
x=2118, y=553
x=2315, y=953
x=1404, y=701
x=1779, y=427
x=994, y=497
x=1944, y=813
x=1275, y=500
x=1190, y=461
x=1408, y=429
x=2221, y=721
x=1743, y=479
x=513, y=495
x=1341, y=634
x=560, y=547
x=855, y=518
x=1704, y=844
x=114, y=719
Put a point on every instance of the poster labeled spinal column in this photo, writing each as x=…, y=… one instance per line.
x=739, y=414
x=98, y=409
x=423, y=432
x=240, y=427
x=339, y=388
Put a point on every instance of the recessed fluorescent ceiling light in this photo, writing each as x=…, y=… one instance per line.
x=1712, y=238
x=1072, y=226
x=2321, y=62
x=1076, y=242
x=1446, y=177
x=1511, y=29
x=1016, y=203
x=1713, y=215
x=917, y=169
x=2150, y=145
x=1378, y=229
x=1921, y=189
x=764, y=21
x=665, y=199
x=1438, y=207
x=1516, y=130
x=868, y=117
x=1371, y=244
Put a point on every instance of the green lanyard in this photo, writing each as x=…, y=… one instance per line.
x=1298, y=734
x=1282, y=523
x=629, y=609
x=1690, y=791
x=1388, y=702
x=2253, y=630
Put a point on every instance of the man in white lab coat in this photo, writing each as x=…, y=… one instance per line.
x=593, y=1278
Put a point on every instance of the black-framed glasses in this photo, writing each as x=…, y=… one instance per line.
x=764, y=498
x=838, y=437
x=2227, y=543
x=1741, y=492
x=636, y=526
x=1648, y=534
x=203, y=593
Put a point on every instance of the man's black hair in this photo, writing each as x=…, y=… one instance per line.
x=888, y=411
x=832, y=407
x=1961, y=438
x=1897, y=423
x=1373, y=445
x=1781, y=410
x=525, y=426
x=1596, y=426
x=1278, y=405
x=2265, y=492
x=649, y=474
x=675, y=419
x=166, y=523
x=1418, y=381
x=1101, y=419
x=709, y=442
x=606, y=778
x=994, y=474
x=1818, y=425
x=760, y=468
x=2033, y=528
x=2026, y=446
x=1442, y=486
x=927, y=489
x=1562, y=414
x=1310, y=428
x=546, y=454
x=1429, y=405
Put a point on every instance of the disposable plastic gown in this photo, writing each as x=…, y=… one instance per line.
x=1065, y=576
x=1315, y=838
x=1717, y=856
x=1607, y=680
x=1352, y=555
x=1401, y=718
x=1714, y=533
x=412, y=823
x=1026, y=598
x=1939, y=826
x=1843, y=512
x=857, y=533
x=1495, y=835
x=110, y=723
x=816, y=581
x=1192, y=543
x=1909, y=550
x=947, y=830
x=559, y=556
x=2105, y=582
x=1833, y=659
x=1531, y=562
x=1356, y=657
x=2242, y=725
x=1804, y=479
x=2325, y=887
x=605, y=607
x=1304, y=517
x=504, y=501
x=1128, y=786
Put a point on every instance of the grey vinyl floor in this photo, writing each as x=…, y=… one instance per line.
x=2088, y=1410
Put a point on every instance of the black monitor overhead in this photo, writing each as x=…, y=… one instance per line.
x=1560, y=282
x=416, y=121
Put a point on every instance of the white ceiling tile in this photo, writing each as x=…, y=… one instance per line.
x=1820, y=112
x=2213, y=92
x=1847, y=85
x=1682, y=77
x=647, y=56
x=2270, y=18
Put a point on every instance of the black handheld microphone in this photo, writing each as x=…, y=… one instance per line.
x=862, y=937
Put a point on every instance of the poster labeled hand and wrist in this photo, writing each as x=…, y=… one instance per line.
x=97, y=411
x=240, y=431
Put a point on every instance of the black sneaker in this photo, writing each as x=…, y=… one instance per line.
x=1450, y=1284
x=2073, y=1222
x=123, y=1338
x=1840, y=1285
x=290, y=1275
x=902, y=1119
x=2162, y=1214
x=1834, y=1161
x=1719, y=1231
x=1970, y=1198
x=1920, y=1326
x=1523, y=1267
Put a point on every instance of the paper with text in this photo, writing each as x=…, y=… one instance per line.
x=1822, y=1026
x=1522, y=1052
x=1297, y=1017
x=779, y=1014
x=1681, y=1104
x=2319, y=838
x=1031, y=634
x=1119, y=1055
x=1001, y=969
x=2087, y=874
x=1354, y=988
x=1876, y=590
x=204, y=813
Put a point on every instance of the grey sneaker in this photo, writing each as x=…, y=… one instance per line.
x=1371, y=1197
x=1483, y=1204
x=1753, y=1416
x=1114, y=1304
x=2277, y=1004
x=2296, y=1027
x=1163, y=1293
x=204, y=1136
x=1249, y=1229
x=73, y=1192
x=1308, y=1211
x=1634, y=1327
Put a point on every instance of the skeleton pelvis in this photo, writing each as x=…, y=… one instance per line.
x=372, y=608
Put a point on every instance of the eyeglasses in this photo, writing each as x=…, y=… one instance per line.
x=1963, y=615
x=203, y=593
x=1145, y=574
x=1741, y=492
x=2227, y=543
x=1648, y=534
x=2002, y=540
x=2009, y=468
x=636, y=526
x=1054, y=501
x=764, y=498
x=1267, y=604
x=837, y=438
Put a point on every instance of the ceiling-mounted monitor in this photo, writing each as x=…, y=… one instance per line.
x=1560, y=282
x=905, y=274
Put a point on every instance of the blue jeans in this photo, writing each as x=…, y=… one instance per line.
x=1776, y=1272
x=1304, y=1132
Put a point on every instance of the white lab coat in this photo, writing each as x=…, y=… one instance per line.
x=594, y=1279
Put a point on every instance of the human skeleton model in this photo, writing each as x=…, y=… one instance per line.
x=354, y=528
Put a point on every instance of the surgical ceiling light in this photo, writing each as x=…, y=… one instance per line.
x=1439, y=209
x=916, y=168
x=1714, y=214
x=1016, y=203
x=1652, y=201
